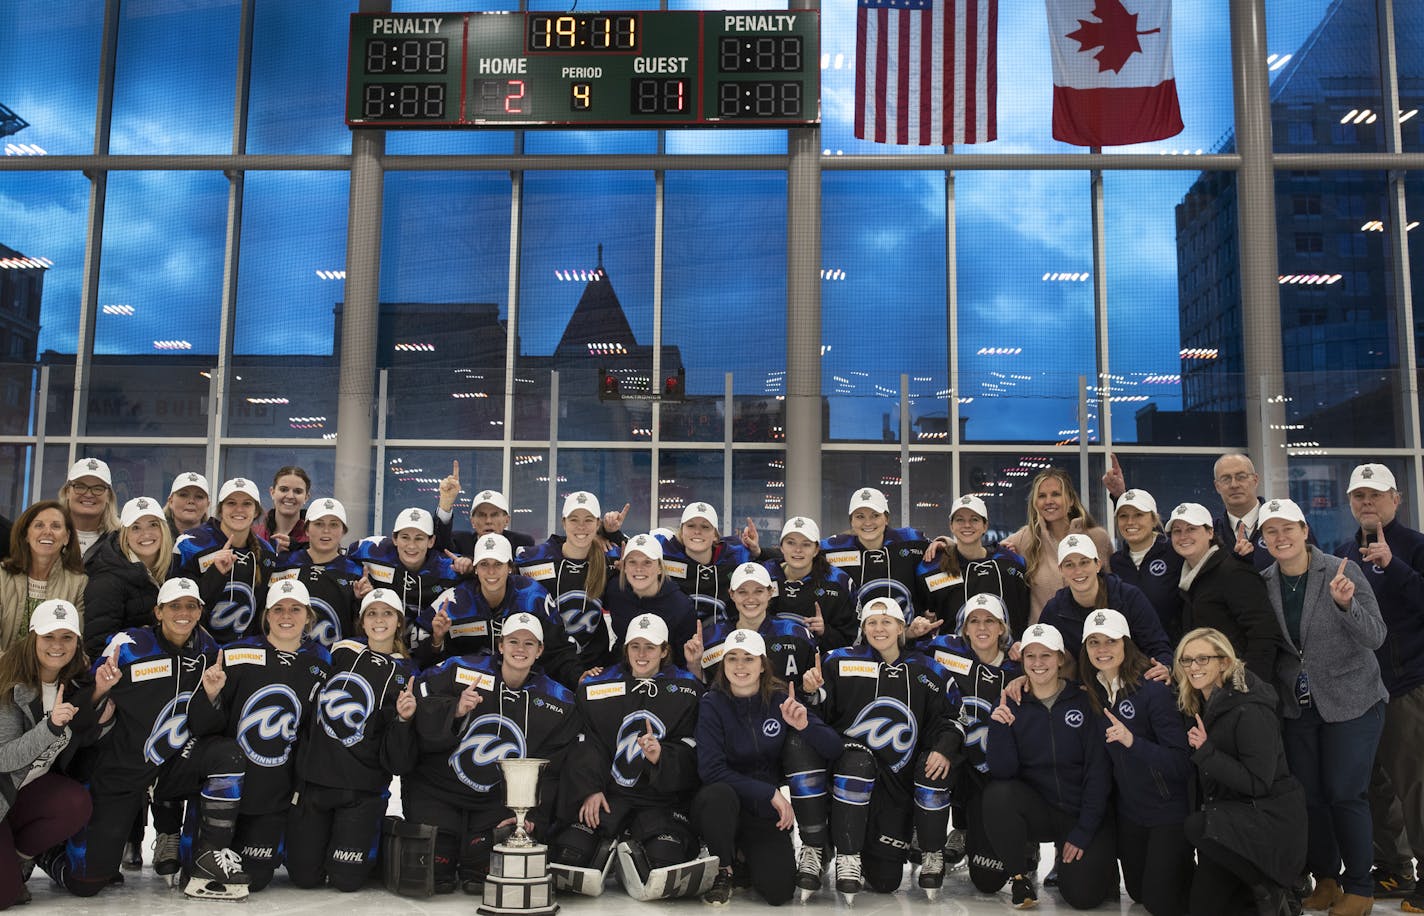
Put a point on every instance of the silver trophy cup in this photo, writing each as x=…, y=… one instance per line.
x=521, y=792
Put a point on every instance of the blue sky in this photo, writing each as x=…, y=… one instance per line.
x=446, y=234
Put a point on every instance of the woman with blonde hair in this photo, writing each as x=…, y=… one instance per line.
x=1054, y=512
x=125, y=571
x=643, y=587
x=44, y=563
x=1248, y=813
x=88, y=497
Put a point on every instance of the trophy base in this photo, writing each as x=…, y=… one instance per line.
x=519, y=883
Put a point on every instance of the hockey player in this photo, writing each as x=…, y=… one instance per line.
x=976, y=656
x=880, y=561
x=961, y=566
x=634, y=770
x=150, y=675
x=362, y=734
x=575, y=569
x=790, y=647
x=466, y=619
x=325, y=569
x=230, y=563
x=701, y=562
x=261, y=693
x=472, y=712
x=805, y=582
x=643, y=587
x=408, y=564
x=896, y=709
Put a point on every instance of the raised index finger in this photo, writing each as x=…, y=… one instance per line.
x=1111, y=718
x=1199, y=723
x=649, y=724
x=59, y=695
x=1340, y=573
x=455, y=469
x=1115, y=466
x=624, y=513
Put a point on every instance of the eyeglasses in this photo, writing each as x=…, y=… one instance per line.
x=97, y=489
x=1200, y=661
x=1238, y=477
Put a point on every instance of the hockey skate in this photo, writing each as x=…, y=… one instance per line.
x=216, y=874
x=848, y=882
x=932, y=874
x=808, y=871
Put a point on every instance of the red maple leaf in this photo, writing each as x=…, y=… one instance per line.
x=1115, y=33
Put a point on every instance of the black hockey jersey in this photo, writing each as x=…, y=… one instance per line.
x=356, y=739
x=580, y=612
x=233, y=599
x=330, y=586
x=886, y=571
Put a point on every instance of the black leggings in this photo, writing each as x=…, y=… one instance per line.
x=1223, y=879
x=726, y=829
x=1156, y=866
x=1015, y=814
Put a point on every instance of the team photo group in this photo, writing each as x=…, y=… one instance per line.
x=1199, y=708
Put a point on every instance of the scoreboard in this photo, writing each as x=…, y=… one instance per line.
x=646, y=68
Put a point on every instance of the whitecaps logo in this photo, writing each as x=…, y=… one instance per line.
x=886, y=723
x=709, y=608
x=327, y=629
x=1157, y=567
x=267, y=727
x=488, y=740
x=170, y=730
x=628, y=751
x=880, y=588
x=1126, y=710
x=581, y=614
x=1073, y=718
x=344, y=707
x=233, y=611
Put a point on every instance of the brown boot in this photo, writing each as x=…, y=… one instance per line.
x=1326, y=894
x=1352, y=905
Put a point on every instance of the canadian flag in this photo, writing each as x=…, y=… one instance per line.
x=1112, y=71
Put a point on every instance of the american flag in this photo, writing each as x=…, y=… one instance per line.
x=926, y=71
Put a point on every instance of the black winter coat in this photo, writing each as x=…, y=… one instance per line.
x=119, y=596
x=1231, y=597
x=1253, y=806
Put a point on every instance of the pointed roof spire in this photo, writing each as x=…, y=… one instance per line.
x=600, y=256
x=598, y=326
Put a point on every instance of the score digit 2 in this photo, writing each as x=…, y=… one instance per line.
x=495, y=97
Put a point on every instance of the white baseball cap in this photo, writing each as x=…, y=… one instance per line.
x=493, y=497
x=800, y=524
x=699, y=510
x=647, y=626
x=173, y=589
x=90, y=467
x=418, y=519
x=326, y=508
x=666, y=534
x=1079, y=544
x=581, y=499
x=749, y=641
x=985, y=601
x=493, y=547
x=1108, y=622
x=54, y=614
x=288, y=588
x=1191, y=514
x=645, y=544
x=384, y=596
x=239, y=485
x=972, y=503
x=1279, y=508
x=1371, y=477
x=882, y=607
x=190, y=479
x=523, y=621
x=868, y=497
x=138, y=507
x=1043, y=634
x=1140, y=500
x=749, y=572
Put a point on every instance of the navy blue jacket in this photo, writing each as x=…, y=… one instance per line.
x=1399, y=588
x=671, y=603
x=740, y=740
x=1068, y=615
x=1059, y=753
x=1152, y=776
x=1157, y=577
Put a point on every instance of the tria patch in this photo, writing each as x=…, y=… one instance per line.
x=151, y=671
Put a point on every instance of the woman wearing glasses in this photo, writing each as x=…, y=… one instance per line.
x=88, y=496
x=1248, y=812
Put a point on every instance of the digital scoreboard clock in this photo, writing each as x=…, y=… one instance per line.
x=646, y=68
